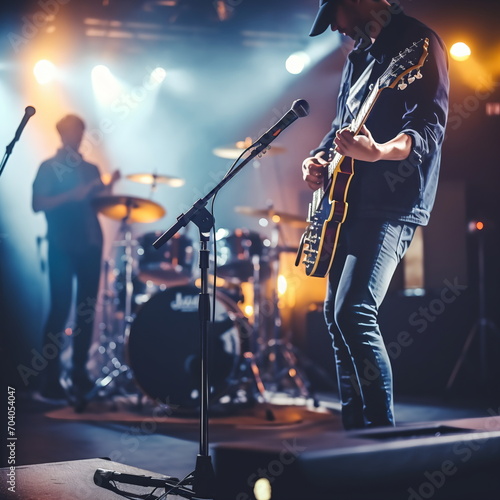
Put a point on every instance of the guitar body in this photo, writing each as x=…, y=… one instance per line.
x=320, y=239
x=328, y=209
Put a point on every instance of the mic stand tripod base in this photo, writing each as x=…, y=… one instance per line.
x=103, y=478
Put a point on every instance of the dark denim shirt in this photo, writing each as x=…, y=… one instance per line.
x=72, y=227
x=400, y=190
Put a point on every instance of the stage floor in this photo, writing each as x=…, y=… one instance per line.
x=168, y=444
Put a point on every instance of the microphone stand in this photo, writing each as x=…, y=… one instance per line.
x=28, y=113
x=202, y=479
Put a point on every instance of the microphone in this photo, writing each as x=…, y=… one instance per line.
x=102, y=477
x=28, y=113
x=299, y=108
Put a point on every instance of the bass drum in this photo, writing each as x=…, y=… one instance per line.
x=163, y=347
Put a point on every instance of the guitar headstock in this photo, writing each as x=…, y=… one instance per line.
x=407, y=62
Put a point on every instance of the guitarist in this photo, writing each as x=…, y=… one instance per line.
x=396, y=167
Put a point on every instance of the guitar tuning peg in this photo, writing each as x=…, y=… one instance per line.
x=411, y=79
x=418, y=75
x=402, y=85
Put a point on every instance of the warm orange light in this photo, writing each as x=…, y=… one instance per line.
x=476, y=225
x=460, y=51
x=282, y=285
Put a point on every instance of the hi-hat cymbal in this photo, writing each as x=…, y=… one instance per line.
x=233, y=151
x=130, y=208
x=273, y=215
x=154, y=179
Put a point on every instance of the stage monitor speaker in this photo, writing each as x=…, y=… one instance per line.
x=439, y=461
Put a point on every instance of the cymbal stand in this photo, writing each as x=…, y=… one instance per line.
x=112, y=345
x=248, y=377
x=279, y=356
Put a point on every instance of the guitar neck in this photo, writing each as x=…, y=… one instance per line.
x=337, y=158
x=356, y=125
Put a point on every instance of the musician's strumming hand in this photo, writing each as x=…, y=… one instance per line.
x=363, y=147
x=313, y=170
x=360, y=147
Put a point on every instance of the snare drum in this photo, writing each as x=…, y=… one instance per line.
x=163, y=347
x=170, y=265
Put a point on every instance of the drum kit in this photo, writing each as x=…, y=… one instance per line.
x=149, y=335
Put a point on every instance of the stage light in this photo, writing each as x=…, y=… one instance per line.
x=460, y=51
x=100, y=71
x=262, y=489
x=282, y=285
x=158, y=75
x=44, y=71
x=105, y=85
x=476, y=225
x=297, y=62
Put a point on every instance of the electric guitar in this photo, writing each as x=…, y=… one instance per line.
x=328, y=208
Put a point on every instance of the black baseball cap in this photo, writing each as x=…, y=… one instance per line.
x=324, y=17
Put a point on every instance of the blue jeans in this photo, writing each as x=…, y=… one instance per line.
x=367, y=255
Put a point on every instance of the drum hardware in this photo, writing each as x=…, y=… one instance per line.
x=276, y=356
x=127, y=209
x=235, y=251
x=171, y=266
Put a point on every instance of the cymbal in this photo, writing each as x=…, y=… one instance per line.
x=120, y=207
x=273, y=215
x=233, y=151
x=156, y=179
